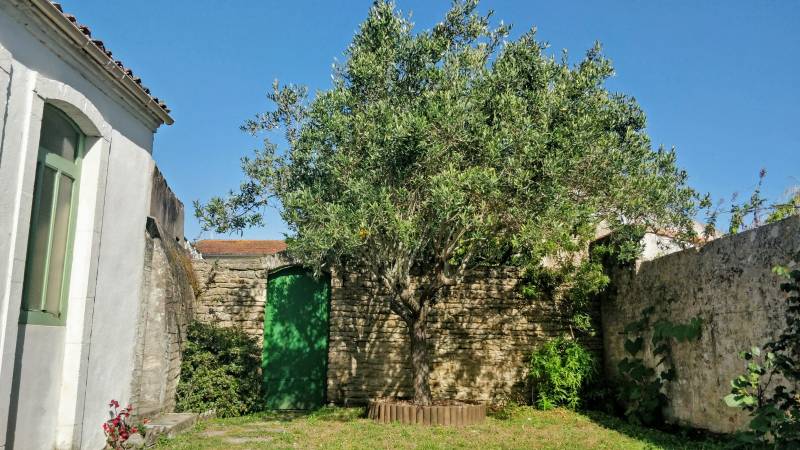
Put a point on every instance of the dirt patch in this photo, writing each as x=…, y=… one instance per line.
x=213, y=433
x=260, y=427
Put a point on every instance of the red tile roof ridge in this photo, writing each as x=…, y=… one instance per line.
x=233, y=247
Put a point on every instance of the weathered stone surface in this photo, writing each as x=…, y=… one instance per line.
x=166, y=312
x=135, y=441
x=729, y=284
x=171, y=424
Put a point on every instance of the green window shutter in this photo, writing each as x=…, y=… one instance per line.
x=53, y=215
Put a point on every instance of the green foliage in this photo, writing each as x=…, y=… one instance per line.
x=789, y=208
x=750, y=213
x=438, y=150
x=576, y=283
x=505, y=410
x=444, y=146
x=641, y=386
x=558, y=371
x=775, y=410
x=221, y=370
x=582, y=282
x=620, y=248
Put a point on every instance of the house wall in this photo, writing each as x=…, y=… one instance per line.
x=482, y=331
x=65, y=376
x=729, y=284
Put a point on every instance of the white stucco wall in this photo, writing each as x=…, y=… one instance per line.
x=66, y=375
x=119, y=283
x=655, y=246
x=39, y=358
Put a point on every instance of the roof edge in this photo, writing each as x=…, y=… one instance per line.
x=117, y=73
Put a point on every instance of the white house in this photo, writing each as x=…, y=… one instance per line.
x=76, y=172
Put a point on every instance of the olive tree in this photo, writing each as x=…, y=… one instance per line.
x=438, y=150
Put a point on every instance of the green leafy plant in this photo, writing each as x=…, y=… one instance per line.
x=642, y=387
x=775, y=410
x=221, y=371
x=558, y=371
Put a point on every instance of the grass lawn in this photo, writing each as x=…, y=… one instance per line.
x=524, y=428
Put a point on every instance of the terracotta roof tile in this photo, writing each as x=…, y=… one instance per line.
x=100, y=45
x=232, y=247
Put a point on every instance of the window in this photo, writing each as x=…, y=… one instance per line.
x=55, y=201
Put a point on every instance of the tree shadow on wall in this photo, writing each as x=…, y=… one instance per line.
x=479, y=336
x=375, y=342
x=479, y=342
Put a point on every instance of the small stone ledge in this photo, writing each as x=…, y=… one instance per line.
x=171, y=424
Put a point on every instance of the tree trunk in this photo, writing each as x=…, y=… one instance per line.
x=420, y=357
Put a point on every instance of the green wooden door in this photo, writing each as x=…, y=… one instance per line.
x=295, y=354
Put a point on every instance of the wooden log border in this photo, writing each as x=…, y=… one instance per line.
x=448, y=416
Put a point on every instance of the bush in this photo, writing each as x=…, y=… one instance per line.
x=558, y=370
x=221, y=370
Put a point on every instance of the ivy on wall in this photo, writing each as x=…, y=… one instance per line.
x=641, y=388
x=774, y=408
x=579, y=279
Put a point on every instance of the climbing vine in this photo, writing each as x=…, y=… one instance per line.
x=774, y=410
x=642, y=387
x=753, y=212
x=577, y=283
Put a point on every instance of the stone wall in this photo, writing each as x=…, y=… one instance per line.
x=233, y=291
x=482, y=331
x=165, y=207
x=728, y=283
x=166, y=304
x=165, y=313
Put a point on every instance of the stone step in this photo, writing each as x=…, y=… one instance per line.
x=170, y=424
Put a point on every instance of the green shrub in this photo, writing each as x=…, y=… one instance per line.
x=558, y=370
x=221, y=370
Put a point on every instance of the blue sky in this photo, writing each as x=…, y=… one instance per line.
x=719, y=80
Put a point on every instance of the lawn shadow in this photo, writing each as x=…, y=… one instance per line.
x=672, y=437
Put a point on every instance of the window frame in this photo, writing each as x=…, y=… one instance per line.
x=51, y=159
